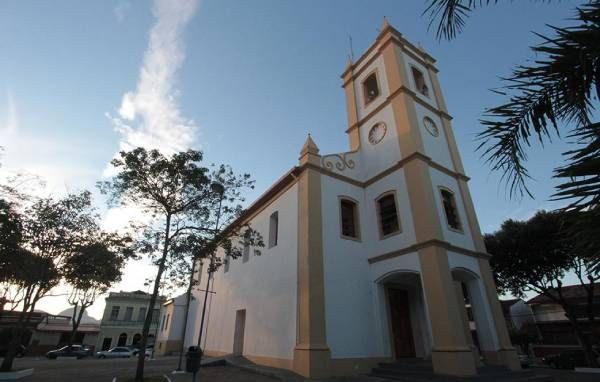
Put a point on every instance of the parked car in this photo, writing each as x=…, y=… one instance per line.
x=116, y=352
x=135, y=350
x=524, y=360
x=78, y=351
x=568, y=359
x=21, y=349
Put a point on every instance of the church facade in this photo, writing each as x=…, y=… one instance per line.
x=370, y=255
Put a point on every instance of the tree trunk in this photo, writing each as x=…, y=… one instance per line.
x=139, y=373
x=76, y=322
x=15, y=341
x=584, y=340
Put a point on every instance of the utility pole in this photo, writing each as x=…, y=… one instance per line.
x=187, y=311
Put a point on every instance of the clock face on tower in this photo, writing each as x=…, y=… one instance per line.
x=431, y=127
x=377, y=133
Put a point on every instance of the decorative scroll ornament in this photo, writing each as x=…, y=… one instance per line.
x=339, y=162
x=377, y=133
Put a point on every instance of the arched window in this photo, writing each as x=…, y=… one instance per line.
x=273, y=228
x=389, y=222
x=449, y=204
x=136, y=339
x=122, y=339
x=370, y=88
x=420, y=83
x=349, y=219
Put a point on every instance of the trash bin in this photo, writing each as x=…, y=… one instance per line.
x=192, y=359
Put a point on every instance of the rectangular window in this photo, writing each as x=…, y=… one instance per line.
x=420, y=82
x=162, y=326
x=142, y=314
x=349, y=219
x=114, y=313
x=370, y=88
x=273, y=228
x=246, y=254
x=450, y=209
x=155, y=316
x=128, y=313
x=167, y=323
x=388, y=215
x=226, y=264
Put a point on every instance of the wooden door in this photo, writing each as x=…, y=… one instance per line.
x=402, y=336
x=238, y=335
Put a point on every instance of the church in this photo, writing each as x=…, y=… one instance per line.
x=371, y=255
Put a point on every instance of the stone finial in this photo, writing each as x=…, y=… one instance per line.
x=310, y=147
x=309, y=151
x=385, y=24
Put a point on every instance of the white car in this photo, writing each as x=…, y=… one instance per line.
x=116, y=352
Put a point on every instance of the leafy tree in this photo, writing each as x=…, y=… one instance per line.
x=185, y=200
x=51, y=231
x=10, y=239
x=534, y=256
x=91, y=271
x=34, y=278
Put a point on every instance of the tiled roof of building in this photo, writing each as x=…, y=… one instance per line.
x=569, y=292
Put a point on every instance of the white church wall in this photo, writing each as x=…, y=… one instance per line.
x=460, y=238
x=435, y=147
x=265, y=286
x=395, y=181
x=383, y=155
x=349, y=324
x=376, y=65
x=410, y=62
x=348, y=275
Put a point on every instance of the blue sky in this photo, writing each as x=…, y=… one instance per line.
x=249, y=78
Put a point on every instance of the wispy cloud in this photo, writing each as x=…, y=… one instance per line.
x=11, y=124
x=121, y=10
x=150, y=116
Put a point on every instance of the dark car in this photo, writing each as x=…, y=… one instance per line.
x=21, y=349
x=568, y=359
x=78, y=351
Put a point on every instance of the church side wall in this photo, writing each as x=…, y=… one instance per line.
x=265, y=286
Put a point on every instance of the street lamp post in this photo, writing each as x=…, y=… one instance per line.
x=218, y=189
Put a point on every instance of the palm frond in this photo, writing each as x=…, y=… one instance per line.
x=562, y=86
x=450, y=15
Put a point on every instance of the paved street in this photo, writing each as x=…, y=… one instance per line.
x=569, y=375
x=95, y=370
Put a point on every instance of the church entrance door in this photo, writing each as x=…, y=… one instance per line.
x=404, y=345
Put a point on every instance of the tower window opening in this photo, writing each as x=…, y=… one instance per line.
x=349, y=220
x=420, y=82
x=370, y=88
x=450, y=209
x=388, y=215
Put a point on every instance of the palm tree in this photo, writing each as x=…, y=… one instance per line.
x=553, y=97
